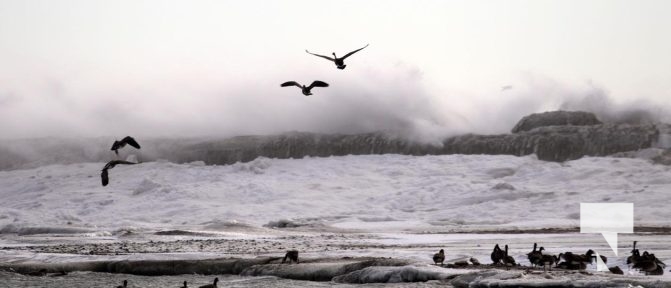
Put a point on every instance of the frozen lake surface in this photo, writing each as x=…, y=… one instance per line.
x=403, y=207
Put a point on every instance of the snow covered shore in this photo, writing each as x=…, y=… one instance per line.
x=403, y=207
x=374, y=193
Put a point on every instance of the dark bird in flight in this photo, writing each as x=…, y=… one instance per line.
x=339, y=62
x=110, y=165
x=120, y=144
x=305, y=89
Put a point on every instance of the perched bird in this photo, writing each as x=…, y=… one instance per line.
x=548, y=260
x=439, y=257
x=125, y=284
x=497, y=254
x=339, y=62
x=475, y=261
x=571, y=266
x=649, y=264
x=576, y=261
x=213, y=285
x=508, y=260
x=292, y=255
x=534, y=256
x=120, y=144
x=635, y=255
x=184, y=286
x=306, y=89
x=110, y=165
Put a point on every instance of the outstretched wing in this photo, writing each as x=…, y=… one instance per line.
x=291, y=83
x=104, y=177
x=115, y=146
x=350, y=53
x=130, y=141
x=113, y=163
x=318, y=83
x=325, y=57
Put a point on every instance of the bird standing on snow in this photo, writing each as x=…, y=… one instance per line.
x=508, y=260
x=497, y=254
x=339, y=62
x=110, y=165
x=439, y=257
x=292, y=255
x=120, y=144
x=184, y=285
x=305, y=89
x=213, y=285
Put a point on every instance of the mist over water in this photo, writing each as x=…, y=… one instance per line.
x=395, y=99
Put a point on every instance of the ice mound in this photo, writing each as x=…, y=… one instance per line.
x=21, y=231
x=256, y=166
x=555, y=118
x=147, y=185
x=503, y=186
x=385, y=274
x=225, y=224
x=197, y=163
x=500, y=278
x=378, y=219
x=501, y=172
x=283, y=223
x=132, y=158
x=321, y=270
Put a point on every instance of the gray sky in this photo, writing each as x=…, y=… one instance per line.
x=188, y=68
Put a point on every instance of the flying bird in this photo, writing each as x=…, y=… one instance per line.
x=126, y=140
x=339, y=62
x=507, y=87
x=110, y=165
x=305, y=89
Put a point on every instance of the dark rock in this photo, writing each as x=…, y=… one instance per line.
x=549, y=143
x=555, y=118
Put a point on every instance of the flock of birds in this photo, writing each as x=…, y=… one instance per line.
x=104, y=175
x=306, y=90
x=338, y=61
x=646, y=262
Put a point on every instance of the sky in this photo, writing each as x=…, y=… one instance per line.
x=89, y=68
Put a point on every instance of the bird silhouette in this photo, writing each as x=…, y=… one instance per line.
x=305, y=89
x=439, y=257
x=339, y=62
x=110, y=165
x=120, y=144
x=125, y=284
x=213, y=285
